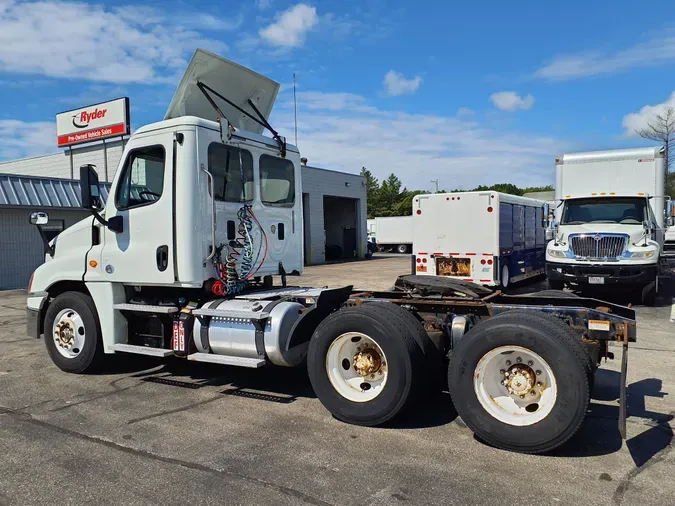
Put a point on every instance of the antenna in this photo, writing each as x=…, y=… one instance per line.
x=295, y=112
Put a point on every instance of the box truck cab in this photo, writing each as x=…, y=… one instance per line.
x=610, y=220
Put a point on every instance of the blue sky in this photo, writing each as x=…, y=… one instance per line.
x=466, y=92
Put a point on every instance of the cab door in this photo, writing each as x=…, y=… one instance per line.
x=142, y=197
x=280, y=210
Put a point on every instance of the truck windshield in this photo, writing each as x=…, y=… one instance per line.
x=622, y=210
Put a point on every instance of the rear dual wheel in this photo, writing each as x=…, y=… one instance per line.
x=369, y=363
x=520, y=381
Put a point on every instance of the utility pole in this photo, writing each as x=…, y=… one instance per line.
x=435, y=181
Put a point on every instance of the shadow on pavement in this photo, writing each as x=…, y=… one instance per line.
x=599, y=434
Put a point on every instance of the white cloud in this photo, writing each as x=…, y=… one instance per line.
x=465, y=111
x=80, y=41
x=396, y=84
x=638, y=120
x=656, y=51
x=263, y=4
x=291, y=27
x=510, y=101
x=21, y=139
x=345, y=132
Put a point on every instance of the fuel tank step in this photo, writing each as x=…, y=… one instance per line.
x=146, y=308
x=227, y=360
x=240, y=315
x=141, y=350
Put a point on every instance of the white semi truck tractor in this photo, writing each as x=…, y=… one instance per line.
x=611, y=221
x=204, y=211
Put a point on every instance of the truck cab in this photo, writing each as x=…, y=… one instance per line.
x=199, y=198
x=610, y=221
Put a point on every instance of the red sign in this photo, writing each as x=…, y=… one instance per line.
x=93, y=123
x=92, y=135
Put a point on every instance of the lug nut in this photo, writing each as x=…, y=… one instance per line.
x=501, y=371
x=522, y=396
x=508, y=362
x=538, y=372
x=503, y=382
x=538, y=383
x=530, y=363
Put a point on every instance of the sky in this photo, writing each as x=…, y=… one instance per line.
x=467, y=93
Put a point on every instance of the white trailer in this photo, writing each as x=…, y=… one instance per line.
x=611, y=220
x=484, y=237
x=203, y=211
x=394, y=233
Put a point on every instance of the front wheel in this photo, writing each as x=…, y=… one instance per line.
x=73, y=333
x=520, y=381
x=366, y=365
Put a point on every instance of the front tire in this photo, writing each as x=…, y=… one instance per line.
x=365, y=364
x=73, y=333
x=531, y=405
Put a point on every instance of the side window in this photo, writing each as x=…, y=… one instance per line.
x=530, y=227
x=505, y=226
x=518, y=227
x=142, y=178
x=277, y=181
x=231, y=182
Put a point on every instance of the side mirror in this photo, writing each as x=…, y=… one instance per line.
x=39, y=218
x=544, y=219
x=89, y=187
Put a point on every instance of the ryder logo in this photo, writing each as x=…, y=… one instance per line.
x=82, y=120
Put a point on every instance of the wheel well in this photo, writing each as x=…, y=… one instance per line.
x=67, y=286
x=54, y=291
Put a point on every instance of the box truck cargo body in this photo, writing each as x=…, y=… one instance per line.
x=489, y=238
x=394, y=233
x=611, y=219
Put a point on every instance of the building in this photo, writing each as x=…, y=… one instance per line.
x=334, y=207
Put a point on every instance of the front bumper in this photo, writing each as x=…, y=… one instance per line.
x=611, y=274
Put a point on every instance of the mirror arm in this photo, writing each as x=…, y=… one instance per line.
x=48, y=248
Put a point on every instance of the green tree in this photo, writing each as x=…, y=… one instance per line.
x=372, y=191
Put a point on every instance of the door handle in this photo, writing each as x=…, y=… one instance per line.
x=209, y=178
x=162, y=258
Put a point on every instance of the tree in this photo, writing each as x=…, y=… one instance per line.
x=662, y=130
x=372, y=191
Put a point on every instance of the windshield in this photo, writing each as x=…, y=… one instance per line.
x=625, y=211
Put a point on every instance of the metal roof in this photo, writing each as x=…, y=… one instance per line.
x=42, y=192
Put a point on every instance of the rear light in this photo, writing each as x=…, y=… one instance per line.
x=482, y=262
x=490, y=209
x=419, y=211
x=419, y=260
x=489, y=262
x=424, y=260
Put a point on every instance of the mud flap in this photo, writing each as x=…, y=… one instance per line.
x=623, y=408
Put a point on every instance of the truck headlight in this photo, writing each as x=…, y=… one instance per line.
x=637, y=255
x=556, y=253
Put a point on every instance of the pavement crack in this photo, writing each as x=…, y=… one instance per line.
x=623, y=485
x=290, y=492
x=177, y=410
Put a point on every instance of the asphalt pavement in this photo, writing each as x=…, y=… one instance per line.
x=151, y=432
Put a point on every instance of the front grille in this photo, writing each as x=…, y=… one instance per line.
x=598, y=246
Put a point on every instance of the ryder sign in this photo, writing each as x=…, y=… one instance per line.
x=93, y=123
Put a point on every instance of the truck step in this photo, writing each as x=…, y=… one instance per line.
x=227, y=360
x=146, y=308
x=242, y=315
x=142, y=350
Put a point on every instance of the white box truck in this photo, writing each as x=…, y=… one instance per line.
x=484, y=237
x=204, y=210
x=611, y=220
x=394, y=233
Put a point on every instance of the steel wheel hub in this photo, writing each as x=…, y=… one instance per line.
x=367, y=362
x=520, y=380
x=68, y=333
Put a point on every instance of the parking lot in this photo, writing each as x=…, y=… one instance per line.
x=151, y=432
